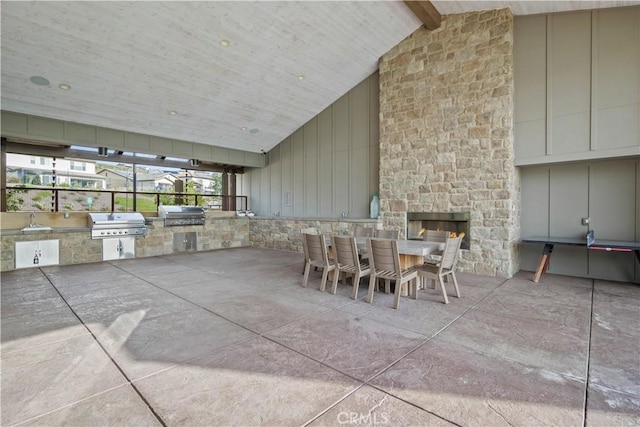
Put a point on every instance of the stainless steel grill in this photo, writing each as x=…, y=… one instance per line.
x=106, y=225
x=181, y=215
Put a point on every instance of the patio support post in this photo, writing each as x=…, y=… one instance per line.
x=225, y=190
x=232, y=190
x=3, y=175
x=135, y=187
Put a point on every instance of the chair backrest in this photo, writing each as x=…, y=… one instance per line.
x=383, y=255
x=435, y=236
x=345, y=250
x=364, y=231
x=387, y=234
x=450, y=253
x=303, y=231
x=315, y=249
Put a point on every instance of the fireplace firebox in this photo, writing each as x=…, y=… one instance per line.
x=445, y=221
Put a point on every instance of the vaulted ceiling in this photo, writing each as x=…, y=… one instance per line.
x=234, y=74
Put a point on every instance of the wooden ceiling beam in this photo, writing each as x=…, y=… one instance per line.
x=426, y=12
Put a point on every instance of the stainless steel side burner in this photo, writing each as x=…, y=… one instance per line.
x=107, y=225
x=181, y=215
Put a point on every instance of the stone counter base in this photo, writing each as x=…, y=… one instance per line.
x=77, y=247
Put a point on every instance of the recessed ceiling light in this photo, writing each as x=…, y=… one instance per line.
x=39, y=80
x=243, y=129
x=173, y=113
x=301, y=77
x=224, y=43
x=64, y=86
x=254, y=130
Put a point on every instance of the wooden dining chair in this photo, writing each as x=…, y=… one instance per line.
x=435, y=236
x=347, y=261
x=364, y=231
x=387, y=234
x=438, y=271
x=309, y=230
x=384, y=260
x=315, y=249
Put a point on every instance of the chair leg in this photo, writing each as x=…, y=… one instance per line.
x=323, y=284
x=455, y=284
x=413, y=288
x=372, y=285
x=396, y=295
x=444, y=291
x=387, y=286
x=356, y=285
x=336, y=276
x=307, y=268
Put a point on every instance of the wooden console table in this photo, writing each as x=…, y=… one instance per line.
x=589, y=241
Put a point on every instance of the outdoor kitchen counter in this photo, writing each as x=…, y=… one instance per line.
x=40, y=233
x=221, y=230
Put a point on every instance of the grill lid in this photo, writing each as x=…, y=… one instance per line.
x=123, y=219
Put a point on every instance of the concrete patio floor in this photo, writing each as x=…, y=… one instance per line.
x=230, y=337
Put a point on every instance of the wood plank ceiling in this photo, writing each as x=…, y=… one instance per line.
x=242, y=75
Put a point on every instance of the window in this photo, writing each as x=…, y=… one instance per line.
x=43, y=160
x=78, y=166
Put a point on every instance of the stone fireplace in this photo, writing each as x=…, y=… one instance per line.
x=446, y=134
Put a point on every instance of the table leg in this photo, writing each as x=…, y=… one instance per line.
x=544, y=262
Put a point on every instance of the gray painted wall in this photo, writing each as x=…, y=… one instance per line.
x=555, y=198
x=577, y=94
x=577, y=86
x=328, y=166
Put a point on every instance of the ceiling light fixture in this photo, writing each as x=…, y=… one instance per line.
x=254, y=130
x=39, y=80
x=244, y=129
x=301, y=77
x=173, y=112
x=64, y=86
x=224, y=43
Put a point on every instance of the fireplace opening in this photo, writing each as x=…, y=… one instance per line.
x=445, y=221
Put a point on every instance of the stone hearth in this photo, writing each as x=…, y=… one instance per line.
x=446, y=133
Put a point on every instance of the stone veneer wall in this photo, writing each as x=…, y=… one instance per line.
x=446, y=133
x=284, y=233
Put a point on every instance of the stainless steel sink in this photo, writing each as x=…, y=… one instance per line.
x=35, y=227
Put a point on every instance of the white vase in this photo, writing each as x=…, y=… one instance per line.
x=375, y=206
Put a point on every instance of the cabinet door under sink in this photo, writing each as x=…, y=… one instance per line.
x=37, y=253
